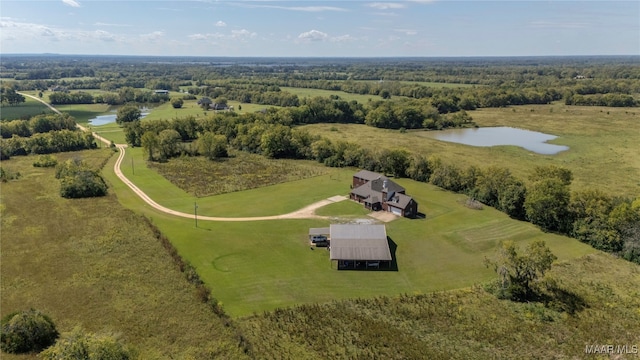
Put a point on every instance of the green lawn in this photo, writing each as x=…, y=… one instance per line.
x=190, y=108
x=26, y=109
x=261, y=265
x=603, y=143
x=343, y=208
x=83, y=112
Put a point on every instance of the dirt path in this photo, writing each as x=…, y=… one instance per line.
x=307, y=212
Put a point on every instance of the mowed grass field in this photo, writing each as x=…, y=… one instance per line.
x=30, y=107
x=94, y=264
x=604, y=143
x=261, y=265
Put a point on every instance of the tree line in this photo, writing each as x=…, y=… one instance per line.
x=42, y=134
x=123, y=95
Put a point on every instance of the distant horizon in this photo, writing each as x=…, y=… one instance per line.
x=325, y=57
x=308, y=28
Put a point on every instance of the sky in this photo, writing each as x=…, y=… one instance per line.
x=424, y=28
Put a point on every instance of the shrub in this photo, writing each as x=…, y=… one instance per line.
x=45, y=161
x=472, y=203
x=80, y=345
x=84, y=183
x=27, y=331
x=177, y=103
x=77, y=180
x=6, y=175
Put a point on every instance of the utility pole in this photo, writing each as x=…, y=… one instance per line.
x=195, y=212
x=133, y=170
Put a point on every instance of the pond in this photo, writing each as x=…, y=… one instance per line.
x=494, y=136
x=111, y=117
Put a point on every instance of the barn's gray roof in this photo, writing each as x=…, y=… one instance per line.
x=359, y=242
x=319, y=231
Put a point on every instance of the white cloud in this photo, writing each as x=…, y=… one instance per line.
x=406, y=31
x=110, y=24
x=343, y=38
x=153, y=36
x=72, y=3
x=386, y=5
x=313, y=35
x=543, y=24
x=242, y=34
x=294, y=8
x=104, y=35
x=47, y=32
x=221, y=23
x=199, y=37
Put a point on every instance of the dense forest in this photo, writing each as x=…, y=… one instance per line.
x=497, y=81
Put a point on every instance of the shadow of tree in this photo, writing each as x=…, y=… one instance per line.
x=563, y=300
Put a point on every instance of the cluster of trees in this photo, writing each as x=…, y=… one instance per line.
x=47, y=143
x=42, y=134
x=36, y=124
x=78, y=180
x=123, y=96
x=10, y=97
x=250, y=93
x=61, y=98
x=613, y=100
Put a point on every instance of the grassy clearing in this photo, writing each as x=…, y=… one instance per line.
x=89, y=262
x=270, y=200
x=111, y=131
x=263, y=265
x=30, y=107
x=190, y=108
x=602, y=303
x=241, y=171
x=603, y=143
x=83, y=112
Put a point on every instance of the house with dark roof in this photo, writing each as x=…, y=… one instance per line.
x=379, y=193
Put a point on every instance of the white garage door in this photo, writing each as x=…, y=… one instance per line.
x=395, y=210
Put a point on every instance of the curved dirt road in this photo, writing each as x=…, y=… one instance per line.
x=307, y=212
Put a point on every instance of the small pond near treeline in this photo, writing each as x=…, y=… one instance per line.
x=111, y=117
x=494, y=136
